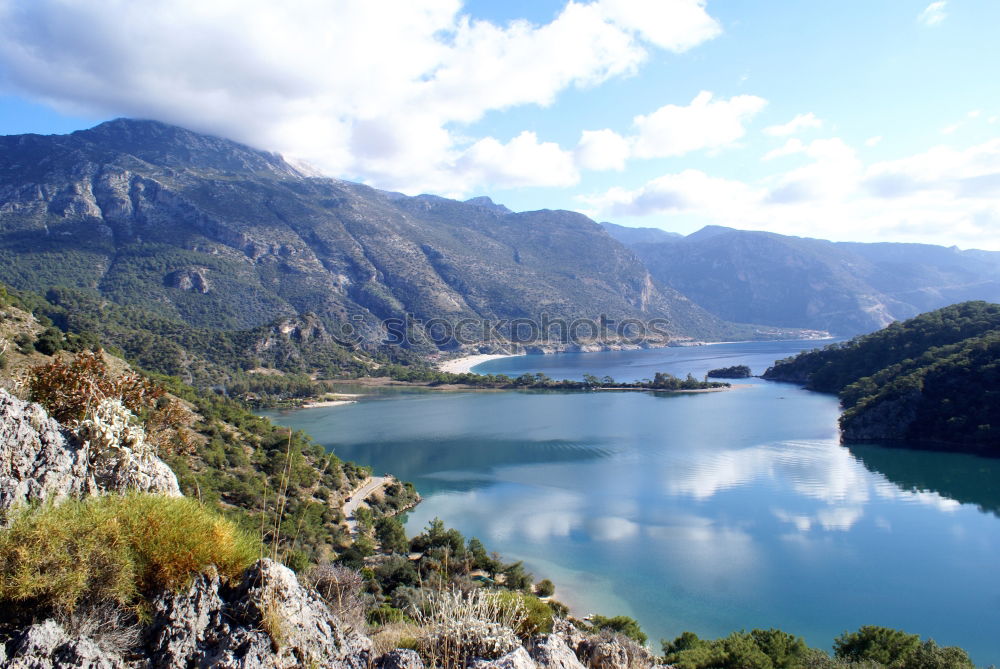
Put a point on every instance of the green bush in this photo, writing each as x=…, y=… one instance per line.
x=621, y=624
x=897, y=649
x=115, y=549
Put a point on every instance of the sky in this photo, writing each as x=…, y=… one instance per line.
x=851, y=120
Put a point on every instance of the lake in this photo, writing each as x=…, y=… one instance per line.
x=706, y=512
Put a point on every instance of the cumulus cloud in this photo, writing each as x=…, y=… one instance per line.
x=794, y=126
x=933, y=13
x=376, y=90
x=944, y=195
x=523, y=161
x=674, y=130
x=602, y=150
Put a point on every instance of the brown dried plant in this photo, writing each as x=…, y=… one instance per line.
x=70, y=391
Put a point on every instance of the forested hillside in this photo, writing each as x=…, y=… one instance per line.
x=934, y=379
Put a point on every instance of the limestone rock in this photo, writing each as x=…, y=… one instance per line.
x=604, y=653
x=47, y=645
x=401, y=658
x=551, y=652
x=268, y=620
x=516, y=659
x=40, y=460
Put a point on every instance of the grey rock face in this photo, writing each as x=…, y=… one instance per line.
x=268, y=620
x=551, y=652
x=401, y=658
x=39, y=461
x=47, y=645
x=517, y=659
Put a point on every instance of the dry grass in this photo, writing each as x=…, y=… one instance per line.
x=114, y=549
x=458, y=627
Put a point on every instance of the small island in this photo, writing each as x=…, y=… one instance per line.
x=734, y=372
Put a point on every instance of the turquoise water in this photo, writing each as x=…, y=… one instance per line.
x=706, y=512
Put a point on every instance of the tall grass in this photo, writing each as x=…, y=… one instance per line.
x=115, y=549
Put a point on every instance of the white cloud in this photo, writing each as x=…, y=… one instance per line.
x=933, y=13
x=521, y=162
x=797, y=124
x=950, y=129
x=677, y=25
x=673, y=130
x=943, y=195
x=873, y=141
x=375, y=90
x=602, y=150
x=790, y=147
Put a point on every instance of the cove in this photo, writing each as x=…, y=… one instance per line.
x=710, y=512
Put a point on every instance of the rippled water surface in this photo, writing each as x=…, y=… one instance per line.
x=704, y=512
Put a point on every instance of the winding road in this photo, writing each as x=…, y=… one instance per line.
x=370, y=485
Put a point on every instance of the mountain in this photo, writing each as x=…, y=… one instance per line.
x=629, y=236
x=845, y=288
x=211, y=234
x=933, y=379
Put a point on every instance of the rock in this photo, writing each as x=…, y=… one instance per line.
x=603, y=653
x=267, y=620
x=41, y=460
x=551, y=652
x=401, y=658
x=37, y=462
x=47, y=645
x=516, y=659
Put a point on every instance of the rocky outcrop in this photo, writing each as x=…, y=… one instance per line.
x=40, y=460
x=47, y=645
x=401, y=658
x=267, y=620
x=550, y=651
x=516, y=659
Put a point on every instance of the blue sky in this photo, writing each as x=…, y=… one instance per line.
x=867, y=121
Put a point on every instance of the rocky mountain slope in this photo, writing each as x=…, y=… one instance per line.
x=845, y=288
x=215, y=235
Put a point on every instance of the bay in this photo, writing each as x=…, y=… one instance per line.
x=705, y=512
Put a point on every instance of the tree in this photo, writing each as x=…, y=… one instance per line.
x=391, y=535
x=621, y=624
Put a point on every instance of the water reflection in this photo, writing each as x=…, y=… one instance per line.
x=937, y=478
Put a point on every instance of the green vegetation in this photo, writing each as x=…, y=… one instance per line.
x=620, y=624
x=540, y=381
x=933, y=379
x=115, y=549
x=897, y=649
x=734, y=372
x=868, y=648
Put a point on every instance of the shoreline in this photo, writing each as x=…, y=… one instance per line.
x=465, y=364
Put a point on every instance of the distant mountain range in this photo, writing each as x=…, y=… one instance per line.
x=217, y=236
x=845, y=288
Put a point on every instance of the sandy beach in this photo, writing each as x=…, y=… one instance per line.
x=334, y=401
x=465, y=364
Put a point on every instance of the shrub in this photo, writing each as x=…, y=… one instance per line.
x=895, y=648
x=537, y=616
x=68, y=391
x=115, y=549
x=620, y=624
x=545, y=588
